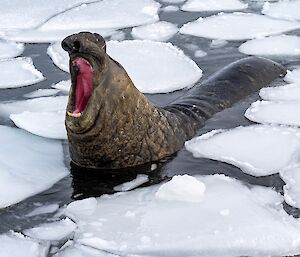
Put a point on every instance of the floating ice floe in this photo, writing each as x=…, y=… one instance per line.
x=293, y=76
x=173, y=1
x=17, y=245
x=199, y=53
x=217, y=43
x=18, y=72
x=216, y=226
x=139, y=180
x=63, y=85
x=42, y=93
x=237, y=26
x=10, y=49
x=52, y=231
x=59, y=56
x=160, y=31
x=44, y=124
x=154, y=67
x=291, y=189
x=45, y=209
x=41, y=104
x=170, y=8
x=289, y=92
x=28, y=164
x=118, y=35
x=283, y=9
x=281, y=45
x=274, y=112
x=256, y=150
x=213, y=5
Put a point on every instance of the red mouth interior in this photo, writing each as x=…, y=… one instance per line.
x=84, y=84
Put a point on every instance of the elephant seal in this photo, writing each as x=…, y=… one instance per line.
x=111, y=125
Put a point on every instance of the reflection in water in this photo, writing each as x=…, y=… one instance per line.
x=96, y=182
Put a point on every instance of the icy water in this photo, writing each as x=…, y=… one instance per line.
x=82, y=183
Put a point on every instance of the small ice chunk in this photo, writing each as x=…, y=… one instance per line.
x=237, y=26
x=170, y=8
x=118, y=36
x=289, y=92
x=182, y=188
x=274, y=112
x=59, y=56
x=102, y=15
x=217, y=43
x=250, y=229
x=244, y=147
x=10, y=49
x=52, y=231
x=82, y=207
x=29, y=164
x=41, y=104
x=173, y=1
x=43, y=210
x=139, y=180
x=16, y=245
x=18, y=72
x=63, y=85
x=293, y=76
x=283, y=9
x=43, y=124
x=154, y=67
x=213, y=5
x=282, y=45
x=41, y=93
x=291, y=189
x=160, y=31
x=199, y=53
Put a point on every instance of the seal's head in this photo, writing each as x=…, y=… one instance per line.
x=89, y=70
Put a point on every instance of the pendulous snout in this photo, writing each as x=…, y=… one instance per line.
x=71, y=44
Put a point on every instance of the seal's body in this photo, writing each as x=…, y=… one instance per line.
x=111, y=124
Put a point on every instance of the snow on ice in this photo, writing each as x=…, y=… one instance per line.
x=154, y=67
x=42, y=93
x=63, y=85
x=256, y=150
x=213, y=5
x=18, y=72
x=274, y=112
x=282, y=45
x=160, y=31
x=216, y=226
x=29, y=165
x=139, y=180
x=10, y=49
x=289, y=92
x=293, y=76
x=283, y=9
x=237, y=26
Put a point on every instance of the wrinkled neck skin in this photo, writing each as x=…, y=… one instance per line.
x=120, y=126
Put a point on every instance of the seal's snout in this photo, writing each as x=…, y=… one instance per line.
x=71, y=45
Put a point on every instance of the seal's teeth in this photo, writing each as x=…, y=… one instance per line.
x=74, y=114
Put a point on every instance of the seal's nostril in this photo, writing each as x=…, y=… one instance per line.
x=76, y=45
x=66, y=46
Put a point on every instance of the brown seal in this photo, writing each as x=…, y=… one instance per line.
x=111, y=124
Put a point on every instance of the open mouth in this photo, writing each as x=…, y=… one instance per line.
x=82, y=82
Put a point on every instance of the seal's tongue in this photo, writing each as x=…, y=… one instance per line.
x=84, y=84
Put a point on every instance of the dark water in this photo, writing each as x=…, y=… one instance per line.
x=84, y=183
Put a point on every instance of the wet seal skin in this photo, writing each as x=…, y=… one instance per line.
x=112, y=125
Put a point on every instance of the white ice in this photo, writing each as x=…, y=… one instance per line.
x=283, y=9
x=258, y=150
x=173, y=1
x=291, y=190
x=199, y=53
x=154, y=67
x=52, y=231
x=42, y=93
x=28, y=165
x=18, y=72
x=237, y=26
x=289, y=92
x=102, y=15
x=10, y=49
x=293, y=76
x=170, y=8
x=213, y=5
x=63, y=85
x=232, y=220
x=159, y=31
x=274, y=112
x=282, y=45
x=41, y=104
x=44, y=124
x=217, y=43
x=182, y=188
x=139, y=180
x=45, y=209
x=16, y=245
x=59, y=56
x=78, y=250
